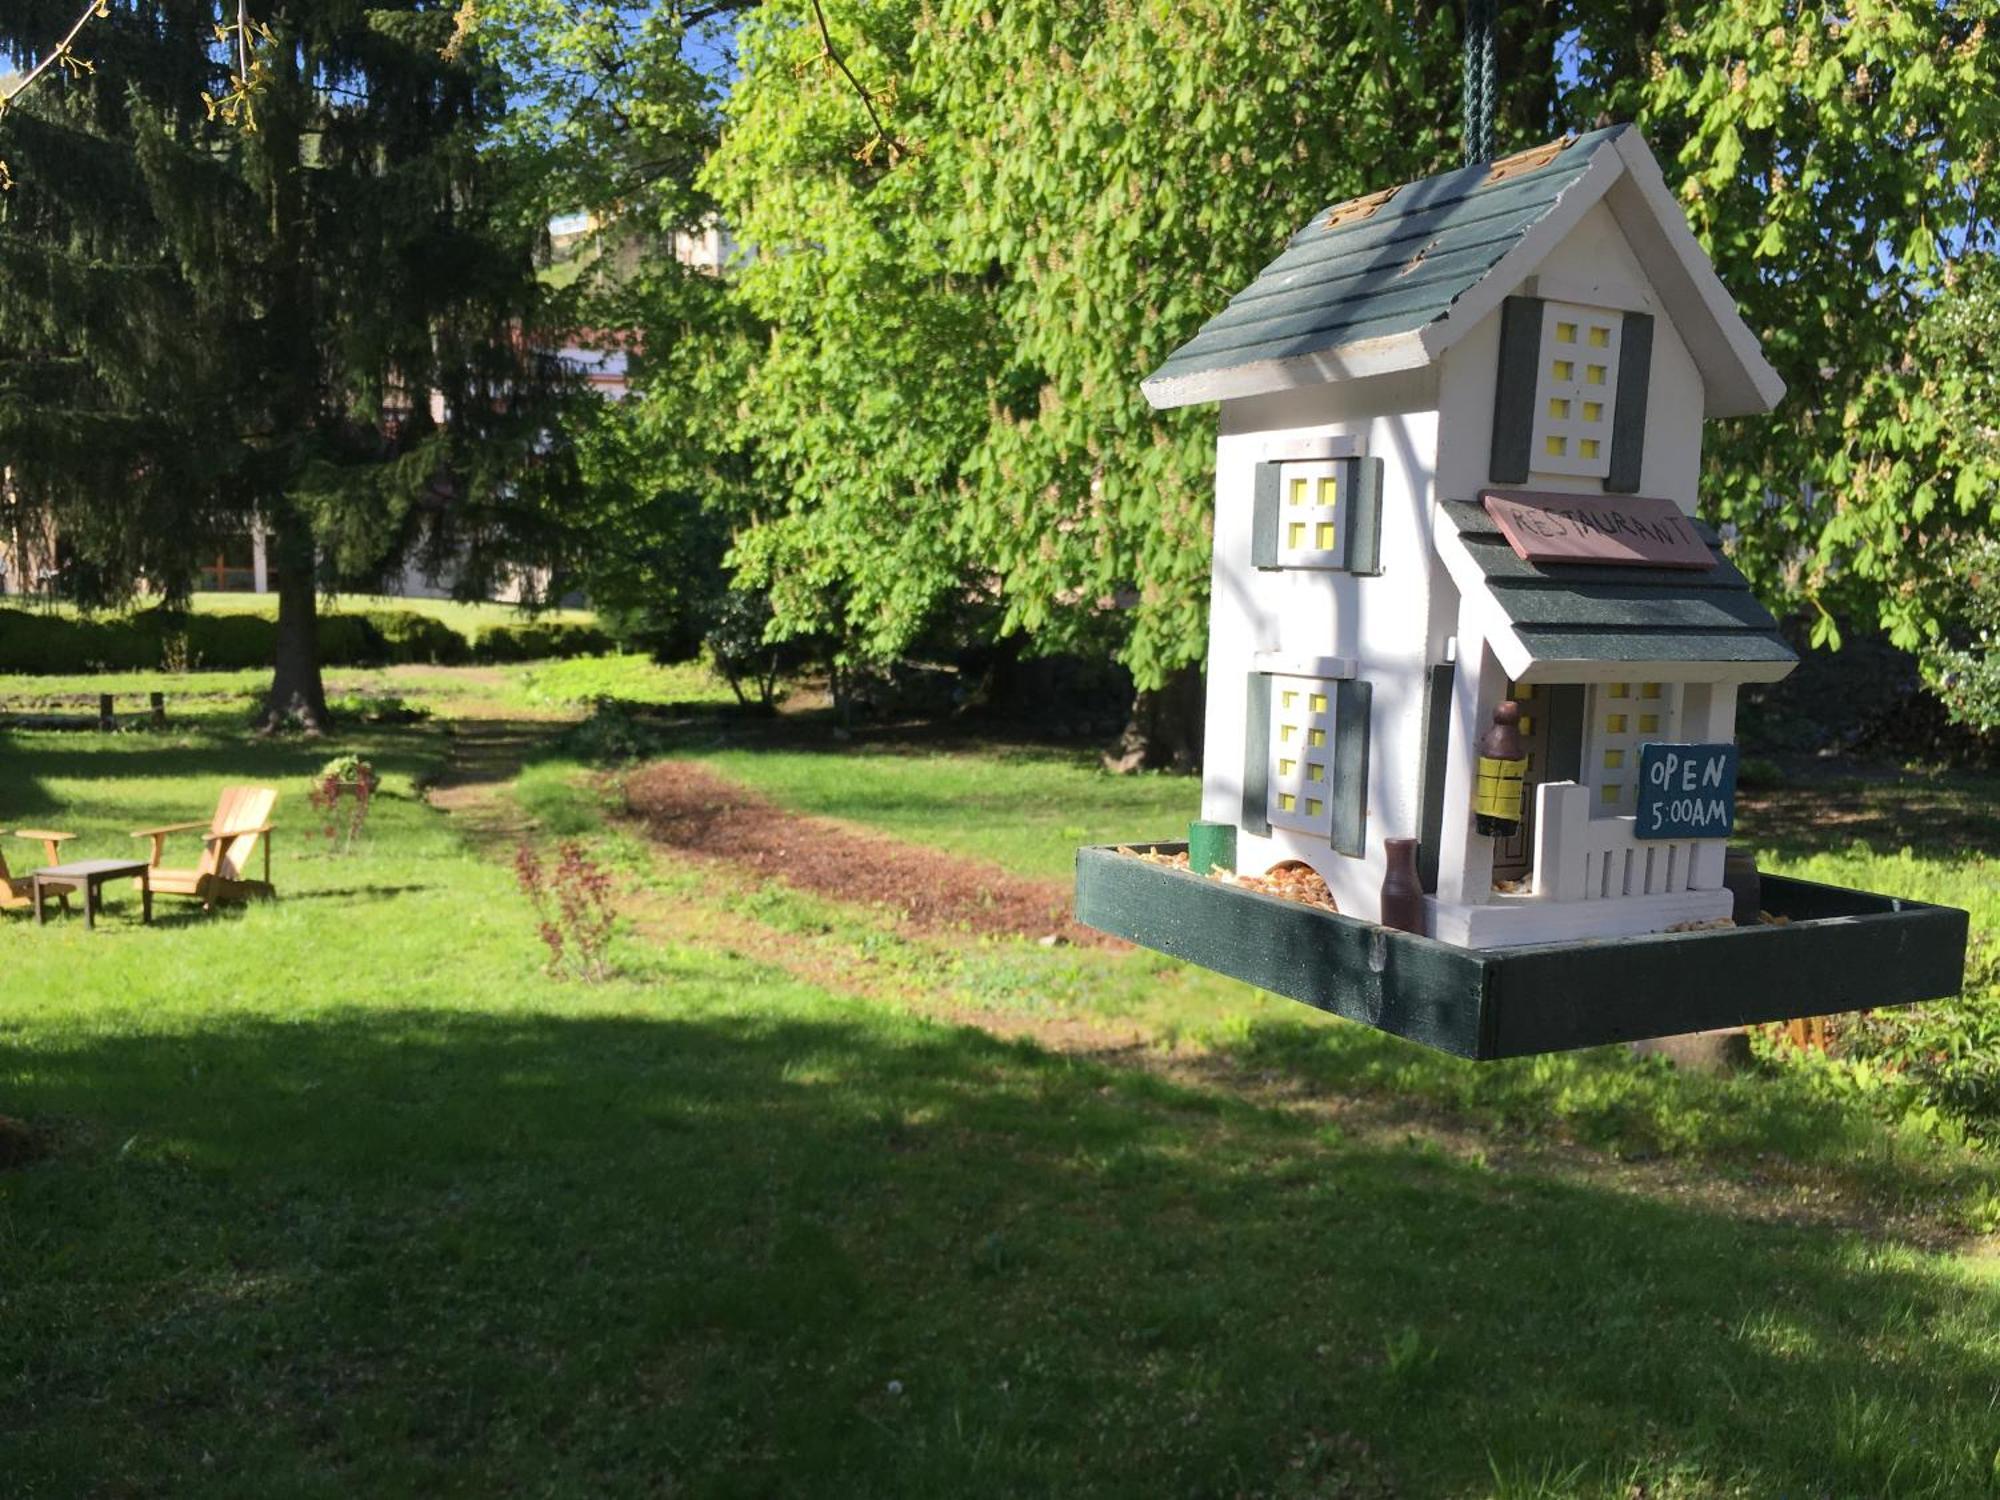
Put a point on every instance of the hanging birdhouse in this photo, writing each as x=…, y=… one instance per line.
x=1460, y=596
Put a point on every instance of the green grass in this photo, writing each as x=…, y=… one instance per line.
x=347, y=1197
x=1027, y=809
x=466, y=619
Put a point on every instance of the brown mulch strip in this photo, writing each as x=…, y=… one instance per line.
x=690, y=808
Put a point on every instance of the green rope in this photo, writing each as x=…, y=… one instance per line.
x=1481, y=83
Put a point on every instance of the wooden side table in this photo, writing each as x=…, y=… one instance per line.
x=88, y=876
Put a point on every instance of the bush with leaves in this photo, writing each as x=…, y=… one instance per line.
x=573, y=909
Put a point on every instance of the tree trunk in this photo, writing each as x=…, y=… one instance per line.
x=1164, y=732
x=298, y=696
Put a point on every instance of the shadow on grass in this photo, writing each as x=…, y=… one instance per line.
x=612, y=1253
x=1936, y=816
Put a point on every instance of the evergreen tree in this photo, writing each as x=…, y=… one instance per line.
x=270, y=275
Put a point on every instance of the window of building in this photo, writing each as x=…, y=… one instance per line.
x=1300, y=782
x=1573, y=390
x=1622, y=716
x=1311, y=523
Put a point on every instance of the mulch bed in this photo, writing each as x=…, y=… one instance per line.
x=690, y=808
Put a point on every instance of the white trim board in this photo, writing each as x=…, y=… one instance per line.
x=1517, y=921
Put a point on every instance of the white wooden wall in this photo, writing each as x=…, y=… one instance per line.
x=1377, y=622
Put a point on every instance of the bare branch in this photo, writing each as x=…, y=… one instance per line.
x=896, y=149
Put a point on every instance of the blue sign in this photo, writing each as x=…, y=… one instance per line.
x=1686, y=791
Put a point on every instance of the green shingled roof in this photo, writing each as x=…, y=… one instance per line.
x=1579, y=613
x=1391, y=272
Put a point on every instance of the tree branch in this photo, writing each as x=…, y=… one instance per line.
x=896, y=149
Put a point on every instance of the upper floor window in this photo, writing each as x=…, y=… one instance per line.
x=1574, y=390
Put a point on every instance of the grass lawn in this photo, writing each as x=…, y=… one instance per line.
x=551, y=689
x=346, y=1196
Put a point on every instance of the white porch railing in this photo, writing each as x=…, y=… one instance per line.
x=1582, y=858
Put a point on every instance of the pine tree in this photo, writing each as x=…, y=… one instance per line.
x=269, y=273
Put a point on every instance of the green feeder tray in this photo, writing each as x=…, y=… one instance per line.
x=1836, y=950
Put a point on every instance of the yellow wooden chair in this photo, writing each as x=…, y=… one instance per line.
x=230, y=840
x=18, y=891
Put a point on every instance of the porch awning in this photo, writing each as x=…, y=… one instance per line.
x=1573, y=622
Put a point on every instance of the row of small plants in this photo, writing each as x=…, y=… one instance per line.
x=158, y=639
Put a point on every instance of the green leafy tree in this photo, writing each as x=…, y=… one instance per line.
x=976, y=230
x=1838, y=165
x=1077, y=186
x=270, y=273
x=614, y=116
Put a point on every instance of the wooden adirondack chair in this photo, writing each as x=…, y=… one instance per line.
x=17, y=892
x=241, y=826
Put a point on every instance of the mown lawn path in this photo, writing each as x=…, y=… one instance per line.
x=717, y=852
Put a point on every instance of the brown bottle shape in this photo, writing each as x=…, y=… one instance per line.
x=1402, y=894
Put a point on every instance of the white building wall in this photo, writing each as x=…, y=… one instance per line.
x=1377, y=621
x=1593, y=265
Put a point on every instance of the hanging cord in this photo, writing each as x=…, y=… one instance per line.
x=1481, y=82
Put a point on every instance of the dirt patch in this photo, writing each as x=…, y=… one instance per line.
x=689, y=808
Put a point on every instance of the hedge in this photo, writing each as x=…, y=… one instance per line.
x=32, y=642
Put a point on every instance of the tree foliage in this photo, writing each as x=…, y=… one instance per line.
x=319, y=316
x=612, y=122
x=947, y=404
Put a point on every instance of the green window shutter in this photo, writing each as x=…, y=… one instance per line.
x=1514, y=389
x=1437, y=759
x=1257, y=754
x=1364, y=516
x=1264, y=519
x=1350, y=767
x=1628, y=409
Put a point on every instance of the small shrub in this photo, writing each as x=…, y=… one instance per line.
x=1963, y=669
x=410, y=637
x=613, y=732
x=573, y=910
x=538, y=641
x=345, y=780
x=378, y=708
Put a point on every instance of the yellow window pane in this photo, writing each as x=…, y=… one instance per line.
x=1329, y=490
x=1313, y=805
x=1614, y=760
x=1615, y=723
x=1565, y=333
x=1520, y=692
x=1288, y=698
x=1557, y=446
x=1565, y=369
x=1295, y=534
x=1649, y=690
x=1527, y=724
x=1316, y=737
x=1287, y=733
x=1298, y=492
x=1621, y=689
x=1286, y=767
x=1609, y=791
x=1559, y=410
x=1593, y=411
x=1594, y=374
x=1286, y=801
x=1649, y=723
x=1600, y=338
x=1315, y=771
x=1586, y=447
x=1323, y=536
x=1319, y=703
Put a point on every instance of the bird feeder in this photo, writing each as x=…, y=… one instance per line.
x=1460, y=595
